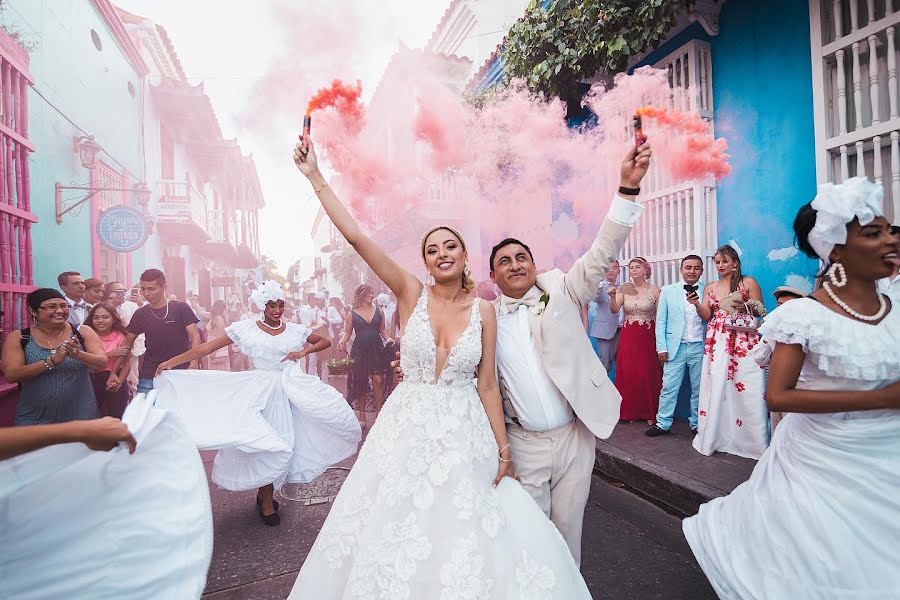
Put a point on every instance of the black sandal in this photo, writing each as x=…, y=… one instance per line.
x=270, y=520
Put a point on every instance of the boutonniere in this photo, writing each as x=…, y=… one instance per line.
x=541, y=304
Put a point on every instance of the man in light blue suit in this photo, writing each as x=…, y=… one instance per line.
x=679, y=343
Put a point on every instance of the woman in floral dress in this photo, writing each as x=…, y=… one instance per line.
x=732, y=416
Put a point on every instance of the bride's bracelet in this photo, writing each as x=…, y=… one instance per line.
x=500, y=451
x=506, y=460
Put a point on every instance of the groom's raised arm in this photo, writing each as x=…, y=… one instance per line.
x=585, y=275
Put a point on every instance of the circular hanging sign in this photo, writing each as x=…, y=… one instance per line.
x=122, y=228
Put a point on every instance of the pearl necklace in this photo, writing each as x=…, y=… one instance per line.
x=857, y=315
x=276, y=328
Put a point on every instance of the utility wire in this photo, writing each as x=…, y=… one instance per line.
x=82, y=130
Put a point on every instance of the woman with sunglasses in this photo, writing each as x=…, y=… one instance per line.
x=51, y=362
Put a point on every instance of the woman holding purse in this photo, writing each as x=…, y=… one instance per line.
x=733, y=417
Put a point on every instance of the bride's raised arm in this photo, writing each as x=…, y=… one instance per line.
x=404, y=285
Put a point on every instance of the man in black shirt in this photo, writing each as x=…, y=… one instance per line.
x=169, y=326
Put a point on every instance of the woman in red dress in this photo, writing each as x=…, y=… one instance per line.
x=638, y=372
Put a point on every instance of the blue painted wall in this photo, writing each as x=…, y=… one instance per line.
x=762, y=94
x=90, y=88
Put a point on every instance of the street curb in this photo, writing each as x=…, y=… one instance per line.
x=682, y=494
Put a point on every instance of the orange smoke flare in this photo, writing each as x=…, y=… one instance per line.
x=686, y=122
x=341, y=96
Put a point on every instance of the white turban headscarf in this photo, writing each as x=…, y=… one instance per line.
x=270, y=291
x=837, y=205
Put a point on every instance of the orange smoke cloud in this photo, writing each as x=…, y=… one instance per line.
x=684, y=122
x=341, y=96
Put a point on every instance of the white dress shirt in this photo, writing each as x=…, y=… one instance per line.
x=538, y=403
x=693, y=324
x=78, y=312
x=334, y=317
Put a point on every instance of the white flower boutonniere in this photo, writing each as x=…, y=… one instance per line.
x=541, y=305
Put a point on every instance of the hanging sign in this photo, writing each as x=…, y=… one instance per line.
x=122, y=228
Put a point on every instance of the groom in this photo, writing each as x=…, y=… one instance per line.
x=556, y=393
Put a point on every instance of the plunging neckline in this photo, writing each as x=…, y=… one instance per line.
x=368, y=321
x=434, y=346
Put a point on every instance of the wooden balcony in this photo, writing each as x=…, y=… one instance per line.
x=182, y=215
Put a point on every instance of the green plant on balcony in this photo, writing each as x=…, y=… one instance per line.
x=554, y=49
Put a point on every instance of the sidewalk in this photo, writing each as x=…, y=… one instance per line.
x=667, y=469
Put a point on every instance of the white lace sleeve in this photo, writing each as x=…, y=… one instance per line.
x=300, y=333
x=837, y=345
x=239, y=332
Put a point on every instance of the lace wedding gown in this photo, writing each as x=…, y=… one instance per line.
x=418, y=517
x=274, y=424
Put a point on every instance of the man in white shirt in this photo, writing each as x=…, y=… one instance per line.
x=72, y=286
x=556, y=393
x=679, y=343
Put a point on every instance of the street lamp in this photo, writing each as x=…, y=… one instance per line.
x=88, y=151
x=142, y=195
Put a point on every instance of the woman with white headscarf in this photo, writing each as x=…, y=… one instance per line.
x=272, y=425
x=820, y=515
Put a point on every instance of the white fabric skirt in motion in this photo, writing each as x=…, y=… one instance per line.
x=75, y=523
x=270, y=425
x=818, y=518
x=418, y=517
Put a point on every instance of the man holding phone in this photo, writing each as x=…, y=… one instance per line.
x=679, y=343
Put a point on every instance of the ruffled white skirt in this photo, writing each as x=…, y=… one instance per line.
x=75, y=523
x=818, y=518
x=270, y=425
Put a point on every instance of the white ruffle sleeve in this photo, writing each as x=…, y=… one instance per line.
x=837, y=345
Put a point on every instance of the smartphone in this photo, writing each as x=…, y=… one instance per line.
x=639, y=138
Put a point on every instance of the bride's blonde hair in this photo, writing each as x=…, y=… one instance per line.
x=468, y=284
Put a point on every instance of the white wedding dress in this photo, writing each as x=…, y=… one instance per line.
x=418, y=516
x=75, y=523
x=273, y=424
x=820, y=515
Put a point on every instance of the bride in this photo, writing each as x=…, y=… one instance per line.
x=272, y=425
x=432, y=501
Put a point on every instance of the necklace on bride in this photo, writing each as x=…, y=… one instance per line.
x=273, y=328
x=853, y=313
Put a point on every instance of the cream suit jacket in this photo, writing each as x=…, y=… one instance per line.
x=559, y=334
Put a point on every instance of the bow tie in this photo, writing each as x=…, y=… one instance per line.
x=81, y=304
x=530, y=299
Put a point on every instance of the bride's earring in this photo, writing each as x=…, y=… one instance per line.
x=429, y=280
x=837, y=274
x=467, y=272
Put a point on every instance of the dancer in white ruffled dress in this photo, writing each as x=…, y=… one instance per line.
x=272, y=425
x=431, y=508
x=820, y=515
x=78, y=523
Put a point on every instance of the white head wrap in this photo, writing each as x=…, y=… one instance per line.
x=270, y=291
x=838, y=204
x=382, y=300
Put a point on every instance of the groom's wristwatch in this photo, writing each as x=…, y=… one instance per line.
x=625, y=191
